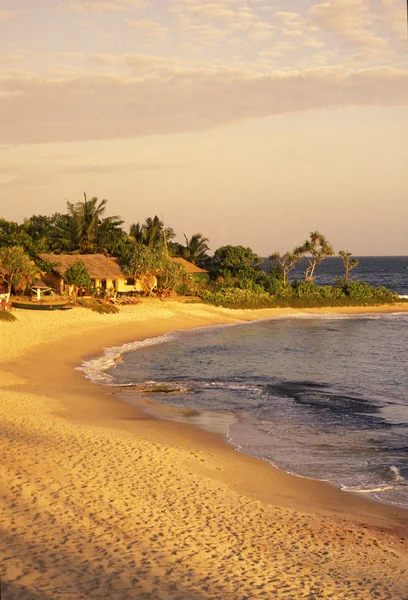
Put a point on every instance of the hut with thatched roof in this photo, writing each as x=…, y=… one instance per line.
x=104, y=271
x=191, y=268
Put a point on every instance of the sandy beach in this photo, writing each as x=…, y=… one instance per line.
x=101, y=500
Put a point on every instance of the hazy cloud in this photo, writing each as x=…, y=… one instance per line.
x=9, y=15
x=148, y=27
x=296, y=28
x=203, y=34
x=395, y=18
x=123, y=167
x=103, y=5
x=90, y=107
x=142, y=65
x=222, y=19
x=13, y=59
x=352, y=20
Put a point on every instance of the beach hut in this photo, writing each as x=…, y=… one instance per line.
x=104, y=271
x=191, y=268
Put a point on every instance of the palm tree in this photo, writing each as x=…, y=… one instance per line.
x=152, y=232
x=86, y=217
x=86, y=223
x=136, y=231
x=196, y=248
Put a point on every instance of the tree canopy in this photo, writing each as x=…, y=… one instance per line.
x=196, y=248
x=17, y=270
x=316, y=248
x=147, y=264
x=145, y=252
x=77, y=276
x=152, y=233
x=235, y=260
x=287, y=262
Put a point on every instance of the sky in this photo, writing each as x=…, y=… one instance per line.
x=253, y=122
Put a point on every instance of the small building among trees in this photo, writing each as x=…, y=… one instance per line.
x=191, y=269
x=105, y=272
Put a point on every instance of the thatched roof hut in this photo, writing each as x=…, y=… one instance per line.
x=191, y=268
x=104, y=271
x=98, y=265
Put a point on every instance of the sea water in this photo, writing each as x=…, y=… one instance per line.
x=323, y=397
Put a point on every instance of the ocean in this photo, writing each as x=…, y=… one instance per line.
x=323, y=397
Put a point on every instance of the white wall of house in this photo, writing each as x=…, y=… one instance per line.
x=124, y=285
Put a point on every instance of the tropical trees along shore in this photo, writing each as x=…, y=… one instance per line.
x=236, y=273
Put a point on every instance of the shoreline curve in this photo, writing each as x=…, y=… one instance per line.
x=165, y=510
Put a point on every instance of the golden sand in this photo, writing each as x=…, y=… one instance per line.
x=103, y=501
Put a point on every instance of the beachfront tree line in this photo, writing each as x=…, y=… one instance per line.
x=235, y=273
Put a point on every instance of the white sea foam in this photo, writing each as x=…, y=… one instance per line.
x=368, y=490
x=96, y=369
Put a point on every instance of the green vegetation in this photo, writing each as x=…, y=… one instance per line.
x=301, y=294
x=195, y=249
x=234, y=275
x=152, y=266
x=17, y=270
x=316, y=249
x=77, y=276
x=349, y=263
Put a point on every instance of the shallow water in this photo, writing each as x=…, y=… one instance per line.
x=320, y=397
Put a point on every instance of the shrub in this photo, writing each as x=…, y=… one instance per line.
x=186, y=289
x=236, y=298
x=300, y=295
x=362, y=290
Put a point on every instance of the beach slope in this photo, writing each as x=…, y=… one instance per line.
x=100, y=500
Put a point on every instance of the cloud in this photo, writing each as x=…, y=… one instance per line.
x=13, y=58
x=296, y=27
x=102, y=5
x=352, y=20
x=70, y=55
x=211, y=11
x=228, y=18
x=10, y=15
x=148, y=27
x=105, y=106
x=395, y=19
x=123, y=167
x=142, y=65
x=203, y=34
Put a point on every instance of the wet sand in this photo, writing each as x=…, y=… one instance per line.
x=103, y=500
